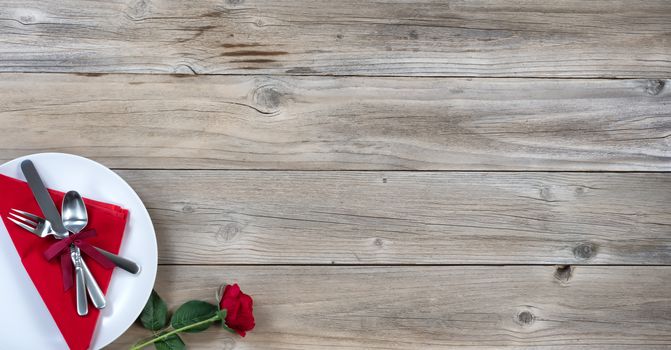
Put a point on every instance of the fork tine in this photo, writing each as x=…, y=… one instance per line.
x=27, y=214
x=21, y=218
x=30, y=229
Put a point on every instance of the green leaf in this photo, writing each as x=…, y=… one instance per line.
x=173, y=342
x=191, y=312
x=154, y=316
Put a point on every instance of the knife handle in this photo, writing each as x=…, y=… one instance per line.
x=121, y=262
x=80, y=284
x=96, y=294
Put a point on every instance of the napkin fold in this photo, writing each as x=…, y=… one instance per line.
x=108, y=220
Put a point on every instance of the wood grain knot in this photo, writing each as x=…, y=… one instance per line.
x=138, y=9
x=654, y=87
x=267, y=99
x=378, y=242
x=188, y=209
x=525, y=318
x=545, y=193
x=563, y=273
x=585, y=251
x=27, y=19
x=228, y=232
x=259, y=23
x=28, y=16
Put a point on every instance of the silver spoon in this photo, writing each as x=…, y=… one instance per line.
x=75, y=219
x=78, y=218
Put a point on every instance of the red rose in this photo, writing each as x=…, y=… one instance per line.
x=238, y=305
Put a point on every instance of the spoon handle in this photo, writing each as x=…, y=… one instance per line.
x=121, y=262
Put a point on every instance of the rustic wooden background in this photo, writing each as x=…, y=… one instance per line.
x=378, y=175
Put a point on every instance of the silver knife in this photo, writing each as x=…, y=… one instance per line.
x=43, y=198
x=51, y=213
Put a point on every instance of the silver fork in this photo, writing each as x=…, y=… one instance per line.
x=42, y=228
x=37, y=225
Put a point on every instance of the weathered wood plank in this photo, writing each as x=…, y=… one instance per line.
x=294, y=217
x=258, y=122
x=432, y=37
x=524, y=307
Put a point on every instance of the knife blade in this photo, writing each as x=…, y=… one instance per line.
x=42, y=197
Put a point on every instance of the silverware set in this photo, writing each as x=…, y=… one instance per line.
x=74, y=219
x=42, y=228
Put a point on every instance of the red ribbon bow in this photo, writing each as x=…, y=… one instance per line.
x=62, y=248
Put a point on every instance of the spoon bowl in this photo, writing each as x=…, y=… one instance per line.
x=74, y=214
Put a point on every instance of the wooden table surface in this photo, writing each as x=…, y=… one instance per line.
x=377, y=175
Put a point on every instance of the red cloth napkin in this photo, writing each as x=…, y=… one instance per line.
x=108, y=220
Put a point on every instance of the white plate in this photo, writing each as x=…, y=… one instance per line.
x=26, y=323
